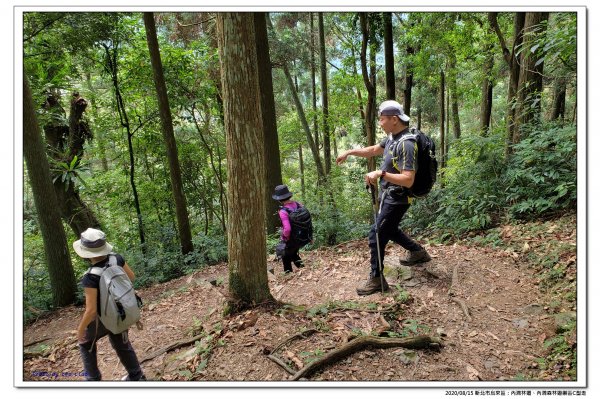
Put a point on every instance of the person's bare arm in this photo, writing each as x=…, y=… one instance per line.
x=366, y=152
x=91, y=303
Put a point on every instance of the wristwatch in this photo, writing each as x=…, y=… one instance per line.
x=383, y=173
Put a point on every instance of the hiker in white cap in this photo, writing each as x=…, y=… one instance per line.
x=93, y=246
x=396, y=174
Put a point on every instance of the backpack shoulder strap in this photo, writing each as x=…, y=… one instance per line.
x=97, y=270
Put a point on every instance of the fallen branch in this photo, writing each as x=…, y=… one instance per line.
x=171, y=347
x=464, y=308
x=419, y=342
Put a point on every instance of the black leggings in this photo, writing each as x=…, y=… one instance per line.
x=291, y=255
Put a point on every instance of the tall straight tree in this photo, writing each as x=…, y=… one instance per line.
x=388, y=49
x=183, y=222
x=530, y=87
x=246, y=240
x=324, y=97
x=60, y=269
x=269, y=120
x=487, y=88
x=442, y=119
x=368, y=74
x=512, y=61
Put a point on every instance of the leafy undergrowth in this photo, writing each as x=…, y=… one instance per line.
x=516, y=282
x=549, y=248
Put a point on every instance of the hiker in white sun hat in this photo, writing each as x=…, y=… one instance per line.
x=92, y=245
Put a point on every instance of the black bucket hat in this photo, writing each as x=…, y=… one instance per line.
x=282, y=192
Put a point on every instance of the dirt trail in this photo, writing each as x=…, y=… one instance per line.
x=499, y=339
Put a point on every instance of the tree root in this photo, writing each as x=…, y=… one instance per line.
x=171, y=347
x=452, y=293
x=281, y=364
x=464, y=308
x=418, y=342
x=303, y=334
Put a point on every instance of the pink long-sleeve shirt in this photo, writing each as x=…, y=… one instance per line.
x=286, y=231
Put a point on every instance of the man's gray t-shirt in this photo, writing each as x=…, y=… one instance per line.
x=398, y=154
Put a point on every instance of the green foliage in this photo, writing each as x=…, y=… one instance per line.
x=469, y=192
x=542, y=174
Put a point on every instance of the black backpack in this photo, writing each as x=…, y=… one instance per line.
x=301, y=222
x=427, y=164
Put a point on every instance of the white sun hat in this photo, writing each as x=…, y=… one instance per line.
x=92, y=244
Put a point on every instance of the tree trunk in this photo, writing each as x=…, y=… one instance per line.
x=313, y=78
x=530, y=87
x=99, y=136
x=269, y=121
x=442, y=119
x=309, y=138
x=58, y=260
x=408, y=80
x=513, y=65
x=301, y=160
x=183, y=222
x=363, y=114
x=486, y=93
x=559, y=100
x=453, y=93
x=324, y=97
x=246, y=241
x=64, y=142
x=388, y=46
x=369, y=80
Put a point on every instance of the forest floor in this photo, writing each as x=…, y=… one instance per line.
x=500, y=335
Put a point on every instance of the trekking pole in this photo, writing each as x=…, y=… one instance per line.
x=369, y=188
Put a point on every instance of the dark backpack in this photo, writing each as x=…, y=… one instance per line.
x=301, y=222
x=427, y=165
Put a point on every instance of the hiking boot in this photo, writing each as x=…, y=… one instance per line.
x=415, y=257
x=372, y=286
x=299, y=264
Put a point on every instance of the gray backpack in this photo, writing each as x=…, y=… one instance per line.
x=119, y=304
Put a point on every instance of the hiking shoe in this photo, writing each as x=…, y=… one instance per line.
x=415, y=257
x=299, y=264
x=372, y=286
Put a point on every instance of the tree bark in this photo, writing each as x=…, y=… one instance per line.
x=183, y=222
x=530, y=87
x=246, y=241
x=418, y=342
x=442, y=118
x=369, y=80
x=487, y=88
x=559, y=100
x=324, y=97
x=408, y=80
x=388, y=46
x=269, y=121
x=453, y=89
x=64, y=142
x=313, y=80
x=58, y=260
x=513, y=64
